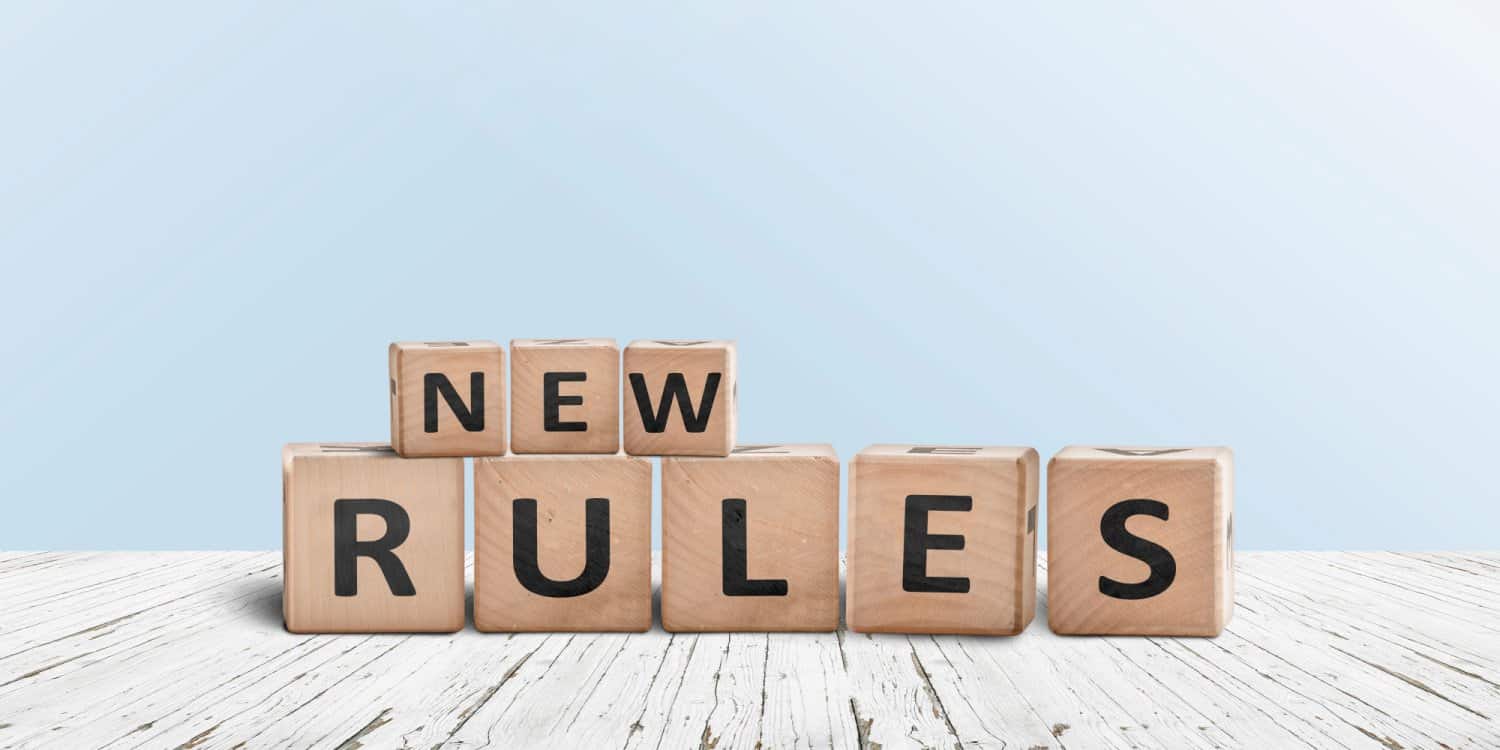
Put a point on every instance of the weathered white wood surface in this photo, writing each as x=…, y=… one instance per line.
x=187, y=650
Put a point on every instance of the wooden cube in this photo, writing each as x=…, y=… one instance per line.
x=942, y=539
x=562, y=543
x=751, y=542
x=679, y=398
x=1139, y=541
x=372, y=542
x=564, y=396
x=448, y=398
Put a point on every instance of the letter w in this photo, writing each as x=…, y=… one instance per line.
x=675, y=390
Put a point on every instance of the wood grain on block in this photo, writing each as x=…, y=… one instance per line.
x=562, y=543
x=679, y=397
x=750, y=542
x=373, y=543
x=942, y=539
x=564, y=396
x=447, y=398
x=1139, y=540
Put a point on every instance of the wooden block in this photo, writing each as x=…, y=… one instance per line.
x=751, y=542
x=942, y=539
x=448, y=398
x=562, y=543
x=1139, y=541
x=564, y=396
x=372, y=542
x=679, y=398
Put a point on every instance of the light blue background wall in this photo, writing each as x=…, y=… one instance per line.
x=1269, y=225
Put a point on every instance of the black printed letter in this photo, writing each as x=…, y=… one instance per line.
x=595, y=549
x=551, y=401
x=1163, y=567
x=675, y=390
x=346, y=547
x=436, y=382
x=914, y=560
x=737, y=559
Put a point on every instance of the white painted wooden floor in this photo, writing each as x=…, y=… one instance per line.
x=186, y=649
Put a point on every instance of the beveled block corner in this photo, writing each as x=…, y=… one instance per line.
x=564, y=396
x=447, y=398
x=1140, y=541
x=942, y=539
x=751, y=542
x=562, y=543
x=372, y=542
x=679, y=397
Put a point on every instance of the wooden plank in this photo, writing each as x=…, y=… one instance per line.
x=143, y=591
x=560, y=698
x=120, y=653
x=187, y=649
x=23, y=565
x=1376, y=636
x=662, y=692
x=892, y=701
x=807, y=693
x=1472, y=573
x=119, y=673
x=1283, y=654
x=1411, y=585
x=350, y=698
x=720, y=703
x=1357, y=600
x=985, y=706
x=60, y=579
x=99, y=631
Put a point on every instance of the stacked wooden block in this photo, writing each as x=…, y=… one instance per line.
x=942, y=539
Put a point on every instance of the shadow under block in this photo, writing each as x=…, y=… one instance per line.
x=751, y=542
x=562, y=543
x=447, y=398
x=1139, y=541
x=679, y=398
x=372, y=542
x=942, y=539
x=564, y=396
